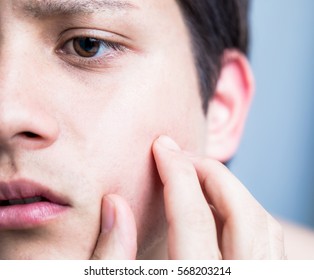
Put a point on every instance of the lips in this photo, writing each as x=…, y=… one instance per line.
x=26, y=204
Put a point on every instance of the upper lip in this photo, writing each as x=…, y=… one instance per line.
x=23, y=189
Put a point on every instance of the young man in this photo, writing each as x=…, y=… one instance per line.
x=114, y=118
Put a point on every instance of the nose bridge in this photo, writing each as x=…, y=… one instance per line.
x=12, y=81
x=19, y=47
x=16, y=79
x=24, y=120
x=17, y=61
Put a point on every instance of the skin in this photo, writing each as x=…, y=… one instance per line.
x=98, y=125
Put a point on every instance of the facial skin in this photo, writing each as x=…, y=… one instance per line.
x=84, y=127
x=95, y=121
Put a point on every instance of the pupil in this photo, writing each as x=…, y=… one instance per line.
x=87, y=44
x=86, y=47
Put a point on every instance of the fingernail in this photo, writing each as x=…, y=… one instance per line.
x=168, y=143
x=108, y=217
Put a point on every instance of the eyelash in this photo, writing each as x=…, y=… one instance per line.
x=114, y=49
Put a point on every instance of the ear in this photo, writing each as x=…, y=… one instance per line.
x=229, y=106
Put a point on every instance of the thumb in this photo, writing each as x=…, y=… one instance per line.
x=118, y=236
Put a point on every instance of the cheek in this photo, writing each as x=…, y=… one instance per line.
x=126, y=119
x=124, y=157
x=113, y=138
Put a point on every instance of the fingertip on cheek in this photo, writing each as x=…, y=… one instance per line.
x=166, y=142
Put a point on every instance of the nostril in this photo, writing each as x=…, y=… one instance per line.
x=29, y=134
x=28, y=139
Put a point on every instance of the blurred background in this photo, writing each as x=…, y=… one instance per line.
x=276, y=156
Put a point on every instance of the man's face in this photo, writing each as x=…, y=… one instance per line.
x=79, y=115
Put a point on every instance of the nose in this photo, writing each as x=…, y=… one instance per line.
x=23, y=124
x=25, y=119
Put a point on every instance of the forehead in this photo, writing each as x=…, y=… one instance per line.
x=44, y=8
x=39, y=8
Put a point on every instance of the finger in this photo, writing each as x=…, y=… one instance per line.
x=117, y=238
x=191, y=226
x=248, y=230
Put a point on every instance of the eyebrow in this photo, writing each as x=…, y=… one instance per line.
x=46, y=8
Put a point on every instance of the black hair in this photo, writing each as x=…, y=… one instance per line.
x=214, y=26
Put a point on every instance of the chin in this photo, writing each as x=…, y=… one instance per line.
x=42, y=254
x=42, y=245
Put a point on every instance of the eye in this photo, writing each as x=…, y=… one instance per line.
x=88, y=47
x=90, y=52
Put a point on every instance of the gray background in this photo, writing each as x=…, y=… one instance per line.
x=276, y=156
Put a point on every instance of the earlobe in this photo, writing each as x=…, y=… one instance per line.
x=229, y=106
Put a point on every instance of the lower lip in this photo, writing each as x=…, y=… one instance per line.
x=24, y=216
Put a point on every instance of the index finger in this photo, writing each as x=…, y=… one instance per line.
x=192, y=231
x=249, y=232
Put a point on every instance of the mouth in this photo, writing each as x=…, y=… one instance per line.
x=26, y=204
x=29, y=200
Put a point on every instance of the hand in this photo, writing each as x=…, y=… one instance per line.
x=117, y=238
x=210, y=214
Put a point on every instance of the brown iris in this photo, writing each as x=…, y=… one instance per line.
x=86, y=47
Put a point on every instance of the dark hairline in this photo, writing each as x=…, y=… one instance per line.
x=214, y=26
